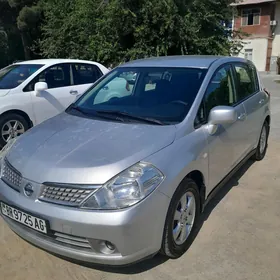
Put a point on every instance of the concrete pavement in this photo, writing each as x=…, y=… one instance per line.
x=239, y=239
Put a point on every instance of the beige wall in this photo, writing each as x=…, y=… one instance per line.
x=276, y=40
x=259, y=47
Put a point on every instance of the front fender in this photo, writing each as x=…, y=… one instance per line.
x=186, y=154
x=16, y=102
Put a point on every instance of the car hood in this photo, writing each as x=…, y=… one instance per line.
x=4, y=92
x=71, y=149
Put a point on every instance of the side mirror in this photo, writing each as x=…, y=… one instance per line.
x=40, y=87
x=221, y=115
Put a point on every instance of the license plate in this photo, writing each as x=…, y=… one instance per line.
x=24, y=218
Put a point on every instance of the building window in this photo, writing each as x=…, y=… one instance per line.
x=248, y=54
x=251, y=16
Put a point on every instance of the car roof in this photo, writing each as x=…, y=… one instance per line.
x=191, y=61
x=54, y=61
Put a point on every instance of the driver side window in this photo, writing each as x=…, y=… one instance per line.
x=55, y=76
x=220, y=92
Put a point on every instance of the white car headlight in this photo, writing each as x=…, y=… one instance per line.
x=127, y=188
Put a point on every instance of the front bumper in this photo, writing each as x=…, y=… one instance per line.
x=136, y=232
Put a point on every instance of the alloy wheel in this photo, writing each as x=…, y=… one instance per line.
x=12, y=129
x=263, y=140
x=184, y=218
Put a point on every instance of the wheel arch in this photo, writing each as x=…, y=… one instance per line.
x=21, y=113
x=198, y=177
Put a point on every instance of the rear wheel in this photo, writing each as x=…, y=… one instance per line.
x=182, y=219
x=11, y=126
x=262, y=145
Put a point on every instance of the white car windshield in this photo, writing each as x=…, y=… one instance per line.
x=12, y=76
x=160, y=95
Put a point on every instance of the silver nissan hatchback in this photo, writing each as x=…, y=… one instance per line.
x=126, y=171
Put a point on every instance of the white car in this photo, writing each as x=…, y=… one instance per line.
x=117, y=88
x=33, y=91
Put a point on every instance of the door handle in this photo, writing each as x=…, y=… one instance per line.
x=261, y=101
x=242, y=117
x=73, y=92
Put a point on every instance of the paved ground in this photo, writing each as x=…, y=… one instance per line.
x=240, y=237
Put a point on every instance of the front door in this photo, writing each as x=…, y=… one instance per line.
x=226, y=145
x=60, y=94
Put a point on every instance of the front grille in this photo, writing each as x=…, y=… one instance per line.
x=11, y=176
x=72, y=240
x=64, y=195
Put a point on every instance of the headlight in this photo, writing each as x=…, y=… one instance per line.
x=127, y=188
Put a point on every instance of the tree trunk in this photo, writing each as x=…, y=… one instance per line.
x=26, y=45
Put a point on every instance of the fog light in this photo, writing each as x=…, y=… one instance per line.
x=110, y=246
x=106, y=247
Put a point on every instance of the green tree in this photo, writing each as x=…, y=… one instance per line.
x=28, y=19
x=67, y=28
x=119, y=30
x=11, y=45
x=3, y=46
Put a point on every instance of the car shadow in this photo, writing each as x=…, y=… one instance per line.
x=158, y=259
x=52, y=101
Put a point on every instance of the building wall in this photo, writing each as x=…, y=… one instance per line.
x=276, y=45
x=261, y=30
x=263, y=39
x=276, y=31
x=259, y=51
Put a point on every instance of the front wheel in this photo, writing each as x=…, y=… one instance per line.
x=182, y=219
x=11, y=126
x=262, y=145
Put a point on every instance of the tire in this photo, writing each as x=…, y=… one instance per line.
x=172, y=246
x=262, y=147
x=11, y=118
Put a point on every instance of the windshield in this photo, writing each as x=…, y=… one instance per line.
x=12, y=76
x=156, y=95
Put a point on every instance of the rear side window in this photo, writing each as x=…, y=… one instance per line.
x=254, y=74
x=246, y=78
x=85, y=73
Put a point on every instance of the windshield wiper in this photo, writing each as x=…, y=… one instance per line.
x=127, y=115
x=94, y=114
x=77, y=108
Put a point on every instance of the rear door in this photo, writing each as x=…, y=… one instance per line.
x=249, y=93
x=84, y=75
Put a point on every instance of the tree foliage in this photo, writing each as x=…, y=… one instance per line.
x=120, y=30
x=3, y=46
x=10, y=41
x=114, y=31
x=27, y=15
